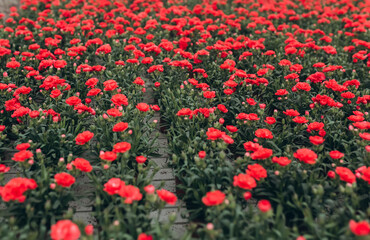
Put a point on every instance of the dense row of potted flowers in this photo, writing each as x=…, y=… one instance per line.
x=266, y=110
x=72, y=108
x=265, y=105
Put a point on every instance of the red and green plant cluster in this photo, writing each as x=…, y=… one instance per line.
x=265, y=105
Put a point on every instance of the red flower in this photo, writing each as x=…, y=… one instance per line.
x=119, y=100
x=72, y=101
x=306, y=155
x=270, y=120
x=143, y=107
x=263, y=133
x=315, y=126
x=261, y=153
x=331, y=174
x=89, y=230
x=345, y=174
x=291, y=112
x=256, y=171
x=15, y=189
x=113, y=186
x=22, y=156
x=130, y=193
x=336, y=154
x=366, y=175
x=209, y=94
x=244, y=181
x=114, y=112
x=281, y=92
x=65, y=230
x=82, y=165
x=23, y=146
x=64, y=179
x=300, y=120
x=264, y=205
x=110, y=85
x=365, y=136
x=13, y=64
x=360, y=228
x=316, y=140
x=121, y=147
x=4, y=168
x=141, y=159
x=202, y=154
x=84, y=137
x=214, y=134
x=282, y=161
x=143, y=236
x=303, y=86
x=108, y=156
x=167, y=196
x=120, y=127
x=251, y=146
x=55, y=93
x=247, y=196
x=214, y=198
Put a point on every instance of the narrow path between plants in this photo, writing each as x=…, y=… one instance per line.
x=165, y=178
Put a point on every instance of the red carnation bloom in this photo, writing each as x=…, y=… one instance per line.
x=263, y=133
x=291, y=112
x=214, y=134
x=108, y=156
x=270, y=120
x=244, y=181
x=84, y=137
x=336, y=154
x=365, y=136
x=345, y=174
x=143, y=107
x=121, y=147
x=65, y=230
x=82, y=165
x=119, y=100
x=120, y=127
x=113, y=186
x=64, y=179
x=281, y=92
x=261, y=153
x=141, y=159
x=214, y=198
x=209, y=94
x=143, y=236
x=251, y=146
x=366, y=175
x=167, y=196
x=130, y=193
x=360, y=228
x=15, y=188
x=300, y=120
x=72, y=101
x=282, y=161
x=231, y=128
x=22, y=156
x=114, y=112
x=306, y=155
x=316, y=140
x=315, y=126
x=23, y=146
x=264, y=205
x=256, y=171
x=110, y=85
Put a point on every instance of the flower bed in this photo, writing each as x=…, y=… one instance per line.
x=265, y=105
